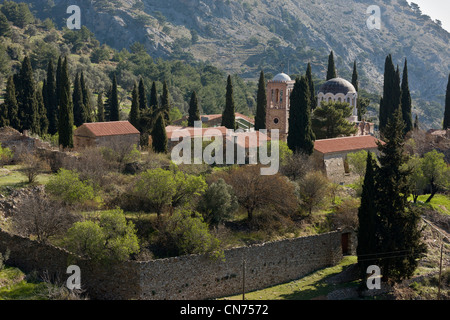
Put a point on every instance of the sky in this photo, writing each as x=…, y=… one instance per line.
x=437, y=10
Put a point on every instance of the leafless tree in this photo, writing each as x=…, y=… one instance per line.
x=41, y=217
x=296, y=166
x=313, y=190
x=255, y=191
x=33, y=166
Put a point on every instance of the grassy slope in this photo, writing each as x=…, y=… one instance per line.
x=309, y=287
x=13, y=286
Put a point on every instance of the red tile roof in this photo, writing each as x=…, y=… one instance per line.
x=346, y=144
x=113, y=128
x=180, y=132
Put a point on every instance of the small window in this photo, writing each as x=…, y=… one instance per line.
x=276, y=120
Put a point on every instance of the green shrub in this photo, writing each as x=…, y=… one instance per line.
x=185, y=232
x=67, y=186
x=110, y=239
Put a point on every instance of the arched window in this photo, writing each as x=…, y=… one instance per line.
x=277, y=95
x=281, y=96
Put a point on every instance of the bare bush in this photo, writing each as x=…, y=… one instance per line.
x=296, y=166
x=345, y=215
x=33, y=166
x=90, y=165
x=314, y=189
x=42, y=218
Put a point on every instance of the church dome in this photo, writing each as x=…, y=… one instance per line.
x=282, y=77
x=337, y=85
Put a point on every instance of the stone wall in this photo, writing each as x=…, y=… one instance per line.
x=198, y=277
x=194, y=277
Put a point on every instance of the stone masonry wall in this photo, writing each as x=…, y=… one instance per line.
x=193, y=277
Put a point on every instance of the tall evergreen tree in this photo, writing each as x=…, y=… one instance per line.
x=10, y=102
x=261, y=103
x=391, y=93
x=447, y=106
x=301, y=136
x=143, y=104
x=86, y=99
x=154, y=98
x=51, y=99
x=42, y=113
x=159, y=135
x=79, y=116
x=194, y=113
x=133, y=117
x=28, y=107
x=165, y=103
x=367, y=220
x=399, y=234
x=100, y=108
x=312, y=90
x=229, y=116
x=416, y=123
x=65, y=120
x=355, y=81
x=58, y=81
x=331, y=73
x=4, y=118
x=114, y=101
x=5, y=28
x=406, y=100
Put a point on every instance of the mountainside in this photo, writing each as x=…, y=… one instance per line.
x=247, y=35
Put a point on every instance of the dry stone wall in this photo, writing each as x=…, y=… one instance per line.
x=193, y=277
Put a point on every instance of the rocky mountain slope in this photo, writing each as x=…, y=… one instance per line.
x=244, y=36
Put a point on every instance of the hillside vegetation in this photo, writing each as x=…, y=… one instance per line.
x=245, y=36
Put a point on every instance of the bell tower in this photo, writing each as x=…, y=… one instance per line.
x=278, y=102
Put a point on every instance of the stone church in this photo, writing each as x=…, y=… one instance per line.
x=338, y=90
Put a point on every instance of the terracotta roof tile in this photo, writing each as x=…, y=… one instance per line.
x=346, y=144
x=113, y=128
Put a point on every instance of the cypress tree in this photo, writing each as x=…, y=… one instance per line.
x=51, y=99
x=331, y=73
x=447, y=106
x=11, y=104
x=134, y=112
x=42, y=113
x=367, y=220
x=114, y=102
x=398, y=230
x=391, y=93
x=100, y=108
x=261, y=104
x=4, y=118
x=228, y=116
x=5, y=28
x=406, y=100
x=65, y=120
x=79, y=116
x=165, y=103
x=154, y=98
x=194, y=113
x=28, y=107
x=312, y=90
x=159, y=135
x=88, y=110
x=301, y=136
x=58, y=81
x=142, y=95
x=355, y=81
x=416, y=123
